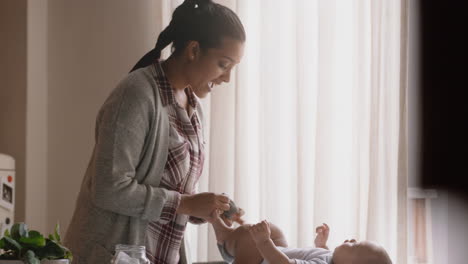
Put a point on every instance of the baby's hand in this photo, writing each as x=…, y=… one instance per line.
x=322, y=236
x=260, y=232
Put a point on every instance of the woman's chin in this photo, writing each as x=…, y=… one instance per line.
x=202, y=91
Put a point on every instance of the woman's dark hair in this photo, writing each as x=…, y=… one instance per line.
x=197, y=20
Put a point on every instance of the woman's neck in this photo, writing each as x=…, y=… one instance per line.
x=173, y=69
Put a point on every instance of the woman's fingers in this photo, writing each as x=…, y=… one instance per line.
x=222, y=202
x=223, y=198
x=222, y=206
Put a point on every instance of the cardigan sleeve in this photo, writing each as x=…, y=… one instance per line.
x=122, y=136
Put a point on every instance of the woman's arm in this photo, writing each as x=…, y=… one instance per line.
x=124, y=143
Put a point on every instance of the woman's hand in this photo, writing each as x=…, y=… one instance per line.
x=202, y=205
x=322, y=236
x=260, y=232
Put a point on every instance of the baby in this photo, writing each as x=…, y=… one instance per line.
x=350, y=252
x=265, y=243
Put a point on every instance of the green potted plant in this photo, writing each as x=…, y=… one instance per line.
x=20, y=245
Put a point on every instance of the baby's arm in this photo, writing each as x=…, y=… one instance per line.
x=261, y=233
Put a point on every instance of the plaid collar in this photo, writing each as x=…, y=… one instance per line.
x=167, y=92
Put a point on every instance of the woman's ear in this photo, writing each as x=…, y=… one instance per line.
x=192, y=50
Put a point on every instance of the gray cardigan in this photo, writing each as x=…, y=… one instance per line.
x=119, y=194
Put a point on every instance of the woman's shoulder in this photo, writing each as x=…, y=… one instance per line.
x=136, y=89
x=135, y=96
x=140, y=84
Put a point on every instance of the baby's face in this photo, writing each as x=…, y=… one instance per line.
x=353, y=252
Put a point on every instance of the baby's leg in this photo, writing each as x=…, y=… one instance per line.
x=277, y=236
x=222, y=232
x=243, y=248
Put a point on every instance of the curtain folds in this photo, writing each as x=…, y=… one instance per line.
x=312, y=129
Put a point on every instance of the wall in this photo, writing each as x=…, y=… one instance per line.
x=457, y=230
x=13, y=91
x=449, y=212
x=36, y=116
x=439, y=204
x=91, y=46
x=60, y=60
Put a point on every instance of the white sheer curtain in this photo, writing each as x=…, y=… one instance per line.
x=312, y=129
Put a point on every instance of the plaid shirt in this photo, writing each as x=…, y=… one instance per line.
x=183, y=168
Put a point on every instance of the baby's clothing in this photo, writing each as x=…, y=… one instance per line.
x=307, y=255
x=224, y=253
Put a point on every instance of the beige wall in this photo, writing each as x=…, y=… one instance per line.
x=60, y=59
x=36, y=116
x=13, y=91
x=91, y=46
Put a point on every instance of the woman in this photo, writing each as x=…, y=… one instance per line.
x=149, y=151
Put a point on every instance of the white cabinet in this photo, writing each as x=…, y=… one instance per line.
x=7, y=192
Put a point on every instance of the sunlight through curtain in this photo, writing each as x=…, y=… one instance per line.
x=312, y=129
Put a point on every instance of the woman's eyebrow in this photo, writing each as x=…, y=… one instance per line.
x=229, y=58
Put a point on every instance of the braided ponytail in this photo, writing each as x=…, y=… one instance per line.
x=164, y=39
x=196, y=20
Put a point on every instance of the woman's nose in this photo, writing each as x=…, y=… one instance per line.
x=226, y=77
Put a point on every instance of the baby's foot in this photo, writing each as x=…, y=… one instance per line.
x=237, y=217
x=322, y=236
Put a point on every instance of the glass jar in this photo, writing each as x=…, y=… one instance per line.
x=130, y=254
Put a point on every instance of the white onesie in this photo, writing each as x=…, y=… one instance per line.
x=307, y=255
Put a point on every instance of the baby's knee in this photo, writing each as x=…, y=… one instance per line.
x=277, y=236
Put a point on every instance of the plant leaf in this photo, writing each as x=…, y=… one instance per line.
x=8, y=255
x=34, y=233
x=30, y=258
x=11, y=244
x=69, y=255
x=36, y=240
x=57, y=233
x=19, y=230
x=53, y=250
x=7, y=233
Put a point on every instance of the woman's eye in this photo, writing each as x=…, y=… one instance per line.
x=223, y=66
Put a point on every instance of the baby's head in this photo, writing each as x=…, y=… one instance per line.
x=364, y=252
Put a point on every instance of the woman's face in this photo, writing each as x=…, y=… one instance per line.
x=213, y=66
